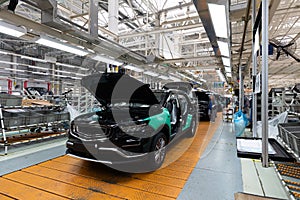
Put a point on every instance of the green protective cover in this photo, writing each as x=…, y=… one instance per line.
x=157, y=121
x=188, y=122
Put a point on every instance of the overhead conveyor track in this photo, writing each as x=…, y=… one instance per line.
x=70, y=178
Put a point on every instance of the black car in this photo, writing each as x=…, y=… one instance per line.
x=206, y=105
x=133, y=125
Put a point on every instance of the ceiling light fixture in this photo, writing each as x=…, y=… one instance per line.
x=61, y=71
x=76, y=78
x=219, y=19
x=8, y=63
x=227, y=69
x=174, y=78
x=12, y=69
x=56, y=44
x=228, y=75
x=34, y=67
x=71, y=66
x=149, y=73
x=40, y=73
x=224, y=49
x=106, y=60
x=163, y=77
x=3, y=52
x=34, y=59
x=11, y=29
x=133, y=68
x=221, y=75
x=202, y=80
x=226, y=61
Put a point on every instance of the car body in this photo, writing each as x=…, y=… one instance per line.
x=133, y=124
x=205, y=110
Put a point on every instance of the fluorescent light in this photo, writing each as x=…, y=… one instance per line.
x=256, y=41
x=3, y=52
x=184, y=76
x=77, y=74
x=40, y=73
x=11, y=69
x=71, y=66
x=133, y=68
x=34, y=67
x=203, y=80
x=227, y=69
x=56, y=44
x=7, y=62
x=39, y=80
x=219, y=19
x=63, y=76
x=174, y=78
x=76, y=78
x=221, y=75
x=224, y=49
x=163, y=77
x=106, y=60
x=12, y=30
x=34, y=59
x=149, y=73
x=226, y=61
x=61, y=71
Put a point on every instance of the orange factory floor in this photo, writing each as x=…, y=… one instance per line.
x=70, y=178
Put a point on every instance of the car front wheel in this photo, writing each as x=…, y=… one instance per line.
x=158, y=150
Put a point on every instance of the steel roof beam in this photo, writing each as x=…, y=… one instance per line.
x=100, y=44
x=161, y=30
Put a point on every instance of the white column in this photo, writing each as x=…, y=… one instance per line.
x=113, y=16
x=93, y=15
x=264, y=100
x=254, y=73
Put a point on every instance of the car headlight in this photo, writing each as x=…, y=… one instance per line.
x=133, y=128
x=140, y=130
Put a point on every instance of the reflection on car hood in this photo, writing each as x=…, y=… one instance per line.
x=111, y=87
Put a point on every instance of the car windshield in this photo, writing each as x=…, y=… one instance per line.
x=125, y=103
x=160, y=95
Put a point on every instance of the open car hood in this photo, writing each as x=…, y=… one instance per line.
x=111, y=87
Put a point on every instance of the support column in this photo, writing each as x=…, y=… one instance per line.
x=93, y=15
x=158, y=36
x=113, y=16
x=241, y=88
x=53, y=79
x=265, y=42
x=254, y=73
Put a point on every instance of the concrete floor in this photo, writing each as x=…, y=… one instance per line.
x=220, y=174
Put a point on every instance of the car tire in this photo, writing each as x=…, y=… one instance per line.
x=192, y=130
x=158, y=151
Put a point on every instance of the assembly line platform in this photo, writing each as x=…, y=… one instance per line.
x=208, y=169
